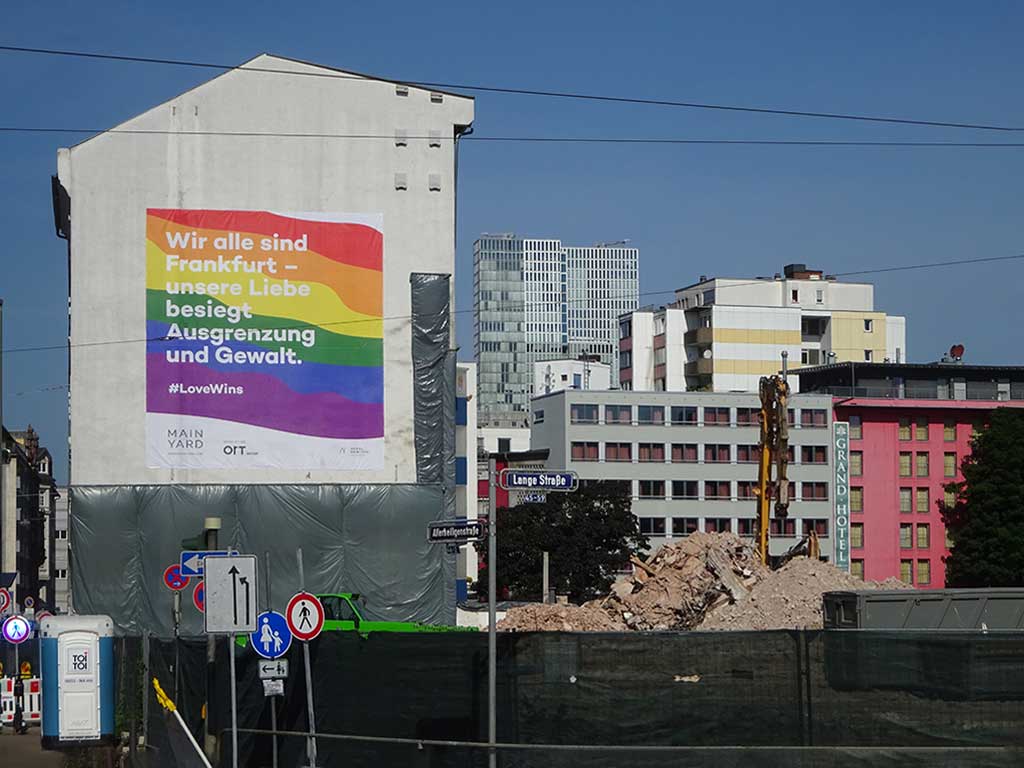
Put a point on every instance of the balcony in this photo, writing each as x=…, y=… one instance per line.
x=701, y=367
x=699, y=336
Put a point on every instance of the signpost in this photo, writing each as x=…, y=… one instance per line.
x=454, y=531
x=191, y=561
x=173, y=579
x=272, y=637
x=231, y=610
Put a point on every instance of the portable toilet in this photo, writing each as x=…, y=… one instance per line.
x=77, y=670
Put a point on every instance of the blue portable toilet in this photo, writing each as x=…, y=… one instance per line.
x=76, y=659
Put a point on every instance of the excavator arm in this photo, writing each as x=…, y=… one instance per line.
x=774, y=393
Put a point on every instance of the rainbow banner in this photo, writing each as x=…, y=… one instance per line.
x=265, y=342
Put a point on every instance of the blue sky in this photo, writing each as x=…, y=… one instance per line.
x=736, y=211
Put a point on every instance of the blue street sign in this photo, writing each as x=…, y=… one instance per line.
x=192, y=562
x=537, y=480
x=272, y=637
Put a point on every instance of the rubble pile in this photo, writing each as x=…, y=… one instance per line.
x=557, y=617
x=790, y=598
x=680, y=583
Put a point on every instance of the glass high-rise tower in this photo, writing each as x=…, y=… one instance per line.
x=535, y=300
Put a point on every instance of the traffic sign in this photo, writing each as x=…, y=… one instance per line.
x=454, y=530
x=5, y=599
x=273, y=688
x=191, y=561
x=42, y=615
x=16, y=629
x=30, y=603
x=231, y=604
x=276, y=669
x=305, y=616
x=199, y=596
x=173, y=579
x=272, y=637
x=537, y=480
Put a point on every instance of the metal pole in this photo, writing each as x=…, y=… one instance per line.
x=273, y=699
x=145, y=698
x=211, y=526
x=492, y=630
x=785, y=365
x=545, y=580
x=234, y=707
x=311, y=744
x=176, y=615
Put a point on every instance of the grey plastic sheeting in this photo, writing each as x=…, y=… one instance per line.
x=369, y=539
x=433, y=363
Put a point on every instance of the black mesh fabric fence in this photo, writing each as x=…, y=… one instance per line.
x=753, y=699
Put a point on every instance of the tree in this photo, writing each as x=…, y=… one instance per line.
x=986, y=520
x=589, y=536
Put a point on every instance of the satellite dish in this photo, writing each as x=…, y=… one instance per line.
x=956, y=351
x=707, y=354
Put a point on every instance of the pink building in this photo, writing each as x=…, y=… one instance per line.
x=910, y=428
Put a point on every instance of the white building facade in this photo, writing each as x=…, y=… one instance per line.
x=555, y=375
x=538, y=300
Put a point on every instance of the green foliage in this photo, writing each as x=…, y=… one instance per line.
x=589, y=536
x=986, y=522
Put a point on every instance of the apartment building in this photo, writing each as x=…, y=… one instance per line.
x=690, y=458
x=910, y=430
x=585, y=372
x=537, y=300
x=723, y=334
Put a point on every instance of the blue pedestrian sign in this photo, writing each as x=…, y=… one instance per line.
x=272, y=637
x=537, y=480
x=191, y=562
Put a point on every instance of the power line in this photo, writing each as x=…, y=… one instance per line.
x=520, y=91
x=585, y=302
x=537, y=139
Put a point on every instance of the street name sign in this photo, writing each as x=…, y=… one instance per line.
x=276, y=669
x=230, y=586
x=454, y=531
x=537, y=480
x=191, y=561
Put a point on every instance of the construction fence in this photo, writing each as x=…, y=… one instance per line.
x=596, y=700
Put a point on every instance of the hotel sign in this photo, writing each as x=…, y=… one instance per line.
x=841, y=462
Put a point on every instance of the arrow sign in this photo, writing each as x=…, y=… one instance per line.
x=230, y=594
x=191, y=561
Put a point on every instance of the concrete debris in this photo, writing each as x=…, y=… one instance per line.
x=707, y=581
x=790, y=598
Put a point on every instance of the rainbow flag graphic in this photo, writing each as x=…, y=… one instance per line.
x=265, y=342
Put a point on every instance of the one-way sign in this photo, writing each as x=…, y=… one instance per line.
x=451, y=531
x=231, y=597
x=191, y=561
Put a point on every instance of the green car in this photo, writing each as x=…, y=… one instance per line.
x=341, y=614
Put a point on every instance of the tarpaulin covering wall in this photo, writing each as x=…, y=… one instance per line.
x=369, y=539
x=756, y=699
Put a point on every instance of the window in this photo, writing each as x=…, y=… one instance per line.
x=577, y=381
x=921, y=428
x=856, y=463
x=61, y=534
x=907, y=571
x=684, y=526
x=60, y=573
x=748, y=454
x=717, y=490
x=504, y=444
x=812, y=454
x=857, y=568
x=906, y=500
x=795, y=296
x=715, y=453
x=618, y=451
x=905, y=464
x=584, y=452
x=856, y=499
x=922, y=465
x=538, y=417
x=652, y=526
x=618, y=414
x=903, y=430
x=684, y=414
x=684, y=452
x=651, y=451
x=949, y=431
x=906, y=536
x=650, y=414
x=718, y=525
x=948, y=497
x=869, y=325
x=924, y=572
x=813, y=491
x=856, y=428
x=790, y=416
x=790, y=487
x=812, y=417
x=652, y=489
x=856, y=535
x=949, y=464
x=921, y=500
x=625, y=329
x=786, y=527
x=745, y=527
x=716, y=416
x=924, y=535
x=746, y=489
x=818, y=525
x=685, y=489
x=868, y=355
x=583, y=413
x=748, y=416
x=819, y=296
